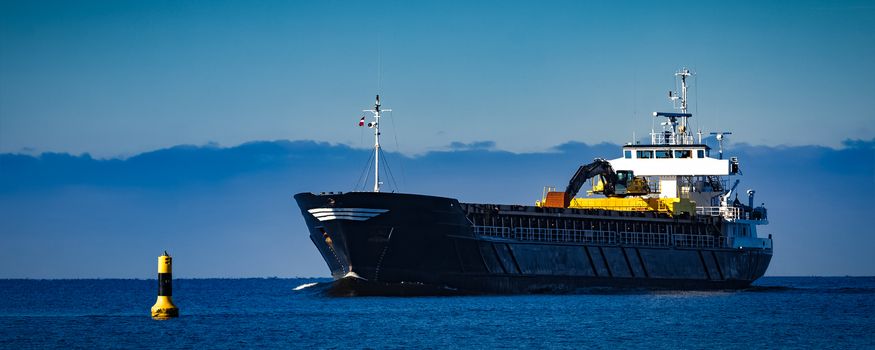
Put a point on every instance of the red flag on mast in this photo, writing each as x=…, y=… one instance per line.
x=362, y=122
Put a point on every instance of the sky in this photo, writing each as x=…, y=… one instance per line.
x=116, y=78
x=131, y=127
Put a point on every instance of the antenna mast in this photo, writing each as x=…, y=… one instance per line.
x=376, y=126
x=675, y=131
x=683, y=74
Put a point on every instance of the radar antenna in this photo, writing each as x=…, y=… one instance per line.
x=720, y=136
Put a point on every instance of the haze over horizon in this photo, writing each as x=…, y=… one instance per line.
x=71, y=216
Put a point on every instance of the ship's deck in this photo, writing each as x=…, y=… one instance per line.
x=594, y=226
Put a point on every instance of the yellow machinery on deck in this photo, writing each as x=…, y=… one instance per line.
x=623, y=191
x=671, y=206
x=614, y=184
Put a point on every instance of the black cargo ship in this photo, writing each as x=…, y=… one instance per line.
x=378, y=243
x=390, y=243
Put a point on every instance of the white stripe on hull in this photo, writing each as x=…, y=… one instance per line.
x=355, y=214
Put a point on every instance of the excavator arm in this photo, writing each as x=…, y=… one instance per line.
x=599, y=167
x=585, y=172
x=610, y=180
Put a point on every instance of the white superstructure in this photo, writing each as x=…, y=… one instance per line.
x=677, y=164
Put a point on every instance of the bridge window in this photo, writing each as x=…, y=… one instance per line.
x=663, y=154
x=683, y=154
x=700, y=153
x=645, y=154
x=627, y=154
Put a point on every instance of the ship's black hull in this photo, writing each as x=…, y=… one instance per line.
x=404, y=244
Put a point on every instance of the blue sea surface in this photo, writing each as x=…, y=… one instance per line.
x=794, y=312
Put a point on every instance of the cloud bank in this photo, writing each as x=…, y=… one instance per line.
x=74, y=216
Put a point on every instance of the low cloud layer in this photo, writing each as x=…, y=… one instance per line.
x=69, y=216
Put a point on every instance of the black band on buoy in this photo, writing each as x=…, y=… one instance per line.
x=165, y=284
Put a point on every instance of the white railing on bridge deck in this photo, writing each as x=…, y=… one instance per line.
x=729, y=213
x=660, y=138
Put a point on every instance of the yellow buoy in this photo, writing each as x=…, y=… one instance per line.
x=164, y=308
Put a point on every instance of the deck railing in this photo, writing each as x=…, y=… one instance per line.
x=644, y=239
x=729, y=213
x=733, y=213
x=660, y=138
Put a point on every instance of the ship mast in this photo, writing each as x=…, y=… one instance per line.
x=376, y=126
x=675, y=132
x=683, y=74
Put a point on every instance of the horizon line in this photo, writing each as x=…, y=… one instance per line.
x=326, y=277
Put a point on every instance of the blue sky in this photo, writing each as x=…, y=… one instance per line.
x=187, y=126
x=121, y=77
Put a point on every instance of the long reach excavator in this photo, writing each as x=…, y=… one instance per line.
x=620, y=183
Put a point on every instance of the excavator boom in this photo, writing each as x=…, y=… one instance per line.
x=602, y=168
x=585, y=172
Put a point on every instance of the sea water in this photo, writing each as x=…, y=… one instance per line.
x=777, y=312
